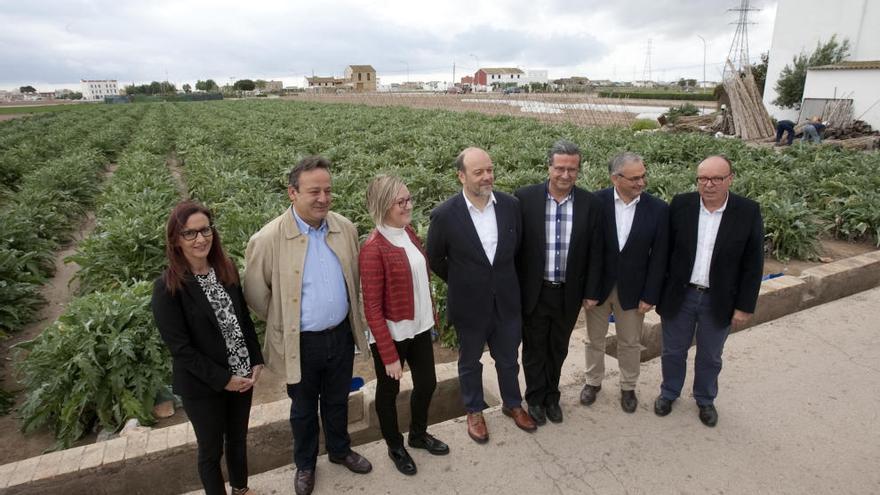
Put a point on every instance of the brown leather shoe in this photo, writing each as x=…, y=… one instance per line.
x=304, y=481
x=476, y=427
x=355, y=462
x=521, y=418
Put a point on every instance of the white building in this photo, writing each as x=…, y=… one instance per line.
x=801, y=24
x=856, y=81
x=539, y=76
x=97, y=89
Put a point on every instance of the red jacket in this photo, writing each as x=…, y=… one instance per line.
x=387, y=285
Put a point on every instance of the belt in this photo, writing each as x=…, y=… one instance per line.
x=342, y=325
x=700, y=288
x=553, y=285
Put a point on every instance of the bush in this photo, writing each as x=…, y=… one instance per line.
x=686, y=110
x=101, y=362
x=644, y=124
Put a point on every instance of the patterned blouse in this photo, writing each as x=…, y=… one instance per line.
x=236, y=350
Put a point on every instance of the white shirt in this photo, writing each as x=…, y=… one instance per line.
x=423, y=311
x=623, y=217
x=486, y=225
x=707, y=231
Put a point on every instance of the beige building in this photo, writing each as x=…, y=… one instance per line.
x=361, y=77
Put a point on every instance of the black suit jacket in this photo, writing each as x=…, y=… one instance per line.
x=456, y=255
x=737, y=261
x=584, y=264
x=189, y=328
x=639, y=268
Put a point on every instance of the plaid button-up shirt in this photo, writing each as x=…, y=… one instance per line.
x=557, y=232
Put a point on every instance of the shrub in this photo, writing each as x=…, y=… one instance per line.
x=644, y=124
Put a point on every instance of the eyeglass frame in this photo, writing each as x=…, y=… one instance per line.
x=191, y=235
x=716, y=181
x=401, y=203
x=633, y=180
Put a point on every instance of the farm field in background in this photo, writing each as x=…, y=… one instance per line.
x=102, y=361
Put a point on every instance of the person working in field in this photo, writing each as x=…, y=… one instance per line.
x=302, y=279
x=400, y=313
x=201, y=314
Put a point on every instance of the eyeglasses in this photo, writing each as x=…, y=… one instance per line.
x=639, y=178
x=190, y=235
x=402, y=202
x=714, y=180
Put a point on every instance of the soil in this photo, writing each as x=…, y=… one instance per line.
x=470, y=103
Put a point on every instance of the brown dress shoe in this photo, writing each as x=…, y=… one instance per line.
x=521, y=418
x=304, y=481
x=355, y=462
x=476, y=427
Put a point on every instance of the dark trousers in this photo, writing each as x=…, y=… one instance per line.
x=326, y=362
x=785, y=126
x=545, y=339
x=222, y=417
x=419, y=354
x=694, y=317
x=503, y=334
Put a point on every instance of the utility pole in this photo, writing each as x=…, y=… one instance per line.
x=704, y=58
x=647, y=74
x=739, y=48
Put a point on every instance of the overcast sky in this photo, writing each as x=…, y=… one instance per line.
x=52, y=44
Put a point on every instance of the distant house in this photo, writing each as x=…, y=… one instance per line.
x=361, y=77
x=273, y=87
x=577, y=84
x=469, y=80
x=486, y=77
x=536, y=76
x=643, y=84
x=98, y=89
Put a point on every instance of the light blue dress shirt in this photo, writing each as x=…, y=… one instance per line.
x=324, y=298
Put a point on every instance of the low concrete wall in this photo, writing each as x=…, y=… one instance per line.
x=164, y=460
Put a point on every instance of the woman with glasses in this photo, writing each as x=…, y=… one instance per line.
x=400, y=313
x=200, y=311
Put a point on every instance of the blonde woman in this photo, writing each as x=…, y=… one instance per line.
x=400, y=314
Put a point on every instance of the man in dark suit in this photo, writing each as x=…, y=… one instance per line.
x=714, y=274
x=559, y=265
x=636, y=246
x=471, y=245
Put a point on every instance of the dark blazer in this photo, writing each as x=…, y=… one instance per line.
x=638, y=269
x=456, y=255
x=737, y=261
x=189, y=328
x=583, y=267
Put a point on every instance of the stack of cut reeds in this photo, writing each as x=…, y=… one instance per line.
x=750, y=118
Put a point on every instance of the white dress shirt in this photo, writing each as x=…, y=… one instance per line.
x=423, y=310
x=623, y=217
x=486, y=225
x=707, y=232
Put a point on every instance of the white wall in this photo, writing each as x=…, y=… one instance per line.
x=863, y=84
x=801, y=24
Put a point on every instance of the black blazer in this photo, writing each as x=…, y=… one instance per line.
x=189, y=328
x=638, y=269
x=456, y=255
x=737, y=261
x=584, y=264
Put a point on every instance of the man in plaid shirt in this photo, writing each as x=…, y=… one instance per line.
x=559, y=268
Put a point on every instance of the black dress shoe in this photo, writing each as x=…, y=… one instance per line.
x=537, y=413
x=355, y=462
x=628, y=400
x=429, y=443
x=554, y=413
x=708, y=415
x=588, y=394
x=662, y=406
x=402, y=460
x=304, y=481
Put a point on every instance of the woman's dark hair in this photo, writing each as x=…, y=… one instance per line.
x=177, y=264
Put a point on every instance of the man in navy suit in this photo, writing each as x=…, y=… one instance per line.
x=714, y=275
x=636, y=245
x=471, y=245
x=560, y=266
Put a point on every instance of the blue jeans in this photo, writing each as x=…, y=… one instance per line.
x=694, y=317
x=326, y=360
x=811, y=133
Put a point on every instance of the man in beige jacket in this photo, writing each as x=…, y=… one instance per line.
x=301, y=277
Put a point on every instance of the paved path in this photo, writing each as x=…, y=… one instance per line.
x=798, y=405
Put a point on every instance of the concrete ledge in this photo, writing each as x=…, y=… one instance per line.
x=842, y=278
